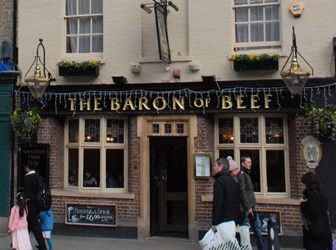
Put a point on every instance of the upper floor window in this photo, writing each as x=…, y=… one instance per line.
x=257, y=24
x=84, y=26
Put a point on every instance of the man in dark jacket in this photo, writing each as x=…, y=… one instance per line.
x=249, y=201
x=30, y=186
x=226, y=202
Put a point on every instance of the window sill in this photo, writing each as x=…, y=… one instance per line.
x=275, y=201
x=91, y=194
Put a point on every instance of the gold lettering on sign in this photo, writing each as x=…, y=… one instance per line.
x=86, y=104
x=178, y=102
x=97, y=104
x=267, y=100
x=156, y=103
x=240, y=102
x=72, y=103
x=254, y=100
x=143, y=103
x=129, y=103
x=115, y=105
x=226, y=102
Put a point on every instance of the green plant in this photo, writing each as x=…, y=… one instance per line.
x=79, y=65
x=322, y=121
x=253, y=57
x=25, y=123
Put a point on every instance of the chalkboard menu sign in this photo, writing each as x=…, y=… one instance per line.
x=91, y=214
x=38, y=154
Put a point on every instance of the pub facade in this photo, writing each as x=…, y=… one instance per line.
x=130, y=144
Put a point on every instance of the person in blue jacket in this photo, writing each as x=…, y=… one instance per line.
x=47, y=224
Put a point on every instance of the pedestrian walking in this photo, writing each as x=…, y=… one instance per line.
x=47, y=224
x=314, y=209
x=18, y=225
x=249, y=202
x=31, y=184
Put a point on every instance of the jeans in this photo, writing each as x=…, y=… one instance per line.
x=256, y=227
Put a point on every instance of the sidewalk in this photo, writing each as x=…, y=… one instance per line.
x=90, y=243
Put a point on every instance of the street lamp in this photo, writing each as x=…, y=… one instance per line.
x=39, y=81
x=295, y=77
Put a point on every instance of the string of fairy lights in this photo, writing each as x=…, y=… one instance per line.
x=309, y=94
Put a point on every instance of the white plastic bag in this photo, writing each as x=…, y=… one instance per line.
x=245, y=241
x=227, y=231
x=211, y=240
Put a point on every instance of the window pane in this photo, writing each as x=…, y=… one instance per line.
x=272, y=12
x=275, y=171
x=92, y=130
x=72, y=26
x=255, y=169
x=84, y=44
x=249, y=130
x=225, y=130
x=71, y=46
x=274, y=130
x=241, y=15
x=96, y=6
x=97, y=44
x=73, y=167
x=257, y=14
x=84, y=7
x=180, y=128
x=223, y=153
x=155, y=128
x=73, y=130
x=97, y=25
x=114, y=168
x=242, y=35
x=84, y=25
x=257, y=32
x=91, y=173
x=272, y=31
x=115, y=131
x=239, y=2
x=256, y=1
x=71, y=7
x=168, y=128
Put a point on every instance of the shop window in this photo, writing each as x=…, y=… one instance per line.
x=257, y=24
x=84, y=26
x=94, y=162
x=263, y=138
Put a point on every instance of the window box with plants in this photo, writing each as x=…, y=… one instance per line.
x=322, y=122
x=72, y=68
x=242, y=62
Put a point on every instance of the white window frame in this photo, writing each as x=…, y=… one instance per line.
x=103, y=146
x=262, y=146
x=77, y=55
x=247, y=46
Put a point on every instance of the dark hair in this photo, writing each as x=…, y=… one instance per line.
x=243, y=158
x=21, y=202
x=31, y=165
x=309, y=179
x=223, y=162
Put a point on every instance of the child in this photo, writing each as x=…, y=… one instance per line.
x=47, y=222
x=18, y=224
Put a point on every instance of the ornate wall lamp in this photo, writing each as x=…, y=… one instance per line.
x=295, y=77
x=39, y=81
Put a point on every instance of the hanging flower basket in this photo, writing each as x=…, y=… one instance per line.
x=25, y=123
x=322, y=122
x=86, y=68
x=243, y=62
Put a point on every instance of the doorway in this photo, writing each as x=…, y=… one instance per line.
x=168, y=187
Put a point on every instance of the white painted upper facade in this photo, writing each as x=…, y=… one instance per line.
x=201, y=33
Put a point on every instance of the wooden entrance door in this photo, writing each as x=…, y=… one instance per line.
x=168, y=180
